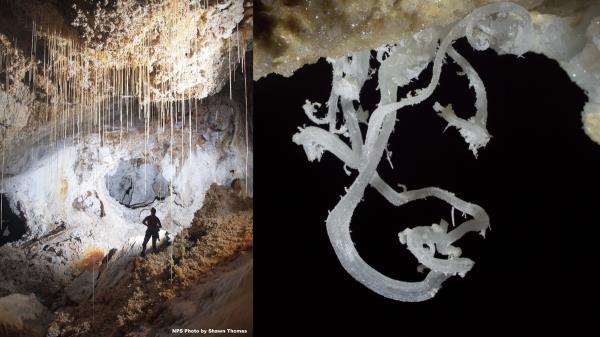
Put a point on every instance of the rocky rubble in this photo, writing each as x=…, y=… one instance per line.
x=146, y=294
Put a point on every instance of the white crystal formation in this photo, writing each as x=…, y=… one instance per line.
x=505, y=27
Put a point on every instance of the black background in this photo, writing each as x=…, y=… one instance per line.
x=537, y=179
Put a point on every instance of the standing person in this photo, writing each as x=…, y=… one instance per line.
x=153, y=224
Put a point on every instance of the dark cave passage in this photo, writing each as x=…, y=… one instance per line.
x=13, y=225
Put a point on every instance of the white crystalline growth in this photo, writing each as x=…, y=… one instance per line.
x=503, y=26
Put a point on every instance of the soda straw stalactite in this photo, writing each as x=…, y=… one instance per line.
x=229, y=64
x=246, y=117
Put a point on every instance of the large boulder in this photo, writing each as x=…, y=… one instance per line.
x=23, y=315
x=81, y=288
x=136, y=184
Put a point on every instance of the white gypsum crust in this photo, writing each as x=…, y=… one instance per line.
x=473, y=130
x=365, y=158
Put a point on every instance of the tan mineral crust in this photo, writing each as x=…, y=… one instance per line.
x=292, y=33
x=591, y=122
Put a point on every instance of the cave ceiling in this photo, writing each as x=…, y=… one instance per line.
x=72, y=59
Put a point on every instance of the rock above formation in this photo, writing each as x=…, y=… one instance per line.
x=291, y=34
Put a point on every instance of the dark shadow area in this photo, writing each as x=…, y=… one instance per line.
x=534, y=179
x=13, y=225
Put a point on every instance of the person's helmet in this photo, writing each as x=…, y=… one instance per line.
x=153, y=210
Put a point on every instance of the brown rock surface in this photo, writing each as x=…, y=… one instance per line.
x=291, y=33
